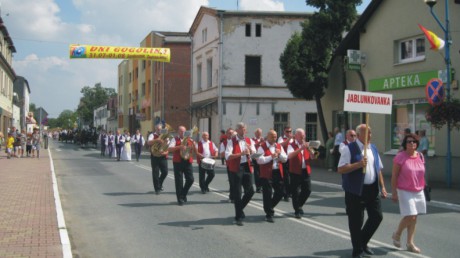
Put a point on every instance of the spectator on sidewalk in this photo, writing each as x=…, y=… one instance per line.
x=9, y=145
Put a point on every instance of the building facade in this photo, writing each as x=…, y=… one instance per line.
x=236, y=75
x=22, y=91
x=7, y=77
x=398, y=61
x=152, y=92
x=100, y=117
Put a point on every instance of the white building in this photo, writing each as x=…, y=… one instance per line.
x=236, y=76
x=100, y=117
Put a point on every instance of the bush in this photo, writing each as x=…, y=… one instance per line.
x=446, y=112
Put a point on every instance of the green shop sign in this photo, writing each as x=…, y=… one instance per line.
x=404, y=81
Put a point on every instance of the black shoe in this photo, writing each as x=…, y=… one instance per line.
x=243, y=216
x=286, y=199
x=157, y=192
x=368, y=251
x=207, y=189
x=258, y=190
x=184, y=198
x=271, y=213
x=269, y=218
x=301, y=211
x=180, y=202
x=239, y=222
x=297, y=215
x=203, y=191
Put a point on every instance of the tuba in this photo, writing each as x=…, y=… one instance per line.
x=185, y=154
x=160, y=146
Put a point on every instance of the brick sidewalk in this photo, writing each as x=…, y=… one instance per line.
x=28, y=221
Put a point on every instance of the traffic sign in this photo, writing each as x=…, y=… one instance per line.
x=434, y=91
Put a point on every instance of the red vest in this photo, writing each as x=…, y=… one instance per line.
x=267, y=169
x=295, y=163
x=176, y=154
x=257, y=142
x=234, y=164
x=200, y=150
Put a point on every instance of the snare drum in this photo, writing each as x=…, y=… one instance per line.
x=208, y=163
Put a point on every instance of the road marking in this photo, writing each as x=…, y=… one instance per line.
x=65, y=241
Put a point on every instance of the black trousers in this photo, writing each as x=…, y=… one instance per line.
x=158, y=164
x=241, y=178
x=272, y=191
x=183, y=169
x=205, y=177
x=336, y=154
x=256, y=174
x=286, y=180
x=137, y=150
x=103, y=147
x=118, y=149
x=300, y=189
x=230, y=191
x=355, y=206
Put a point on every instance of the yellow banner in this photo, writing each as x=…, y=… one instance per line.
x=110, y=52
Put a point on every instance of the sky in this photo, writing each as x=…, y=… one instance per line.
x=42, y=31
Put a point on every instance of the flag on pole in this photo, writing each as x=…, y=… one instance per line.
x=436, y=42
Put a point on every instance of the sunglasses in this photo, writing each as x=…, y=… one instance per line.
x=288, y=131
x=353, y=135
x=411, y=141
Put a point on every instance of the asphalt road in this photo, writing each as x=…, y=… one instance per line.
x=111, y=211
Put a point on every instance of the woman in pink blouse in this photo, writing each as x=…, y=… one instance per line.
x=407, y=183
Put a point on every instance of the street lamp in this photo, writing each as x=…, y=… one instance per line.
x=445, y=28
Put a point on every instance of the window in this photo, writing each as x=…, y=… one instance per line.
x=258, y=30
x=248, y=30
x=204, y=35
x=198, y=77
x=410, y=115
x=252, y=70
x=143, y=89
x=281, y=121
x=311, y=126
x=137, y=72
x=411, y=50
x=130, y=77
x=209, y=72
x=143, y=65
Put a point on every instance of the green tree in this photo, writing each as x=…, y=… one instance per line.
x=66, y=119
x=32, y=107
x=93, y=98
x=307, y=57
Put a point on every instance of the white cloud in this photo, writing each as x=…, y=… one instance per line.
x=262, y=5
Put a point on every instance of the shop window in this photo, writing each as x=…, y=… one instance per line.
x=412, y=116
x=281, y=120
x=411, y=50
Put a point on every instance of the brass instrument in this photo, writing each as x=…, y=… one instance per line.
x=161, y=144
x=313, y=148
x=185, y=154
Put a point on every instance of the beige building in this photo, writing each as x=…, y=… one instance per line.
x=396, y=60
x=7, y=77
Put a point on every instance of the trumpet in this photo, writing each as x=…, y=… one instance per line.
x=313, y=148
x=185, y=153
x=159, y=147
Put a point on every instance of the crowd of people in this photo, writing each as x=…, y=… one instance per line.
x=19, y=144
x=279, y=167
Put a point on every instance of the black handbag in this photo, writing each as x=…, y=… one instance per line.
x=427, y=192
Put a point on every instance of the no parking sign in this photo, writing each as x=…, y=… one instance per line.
x=434, y=92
